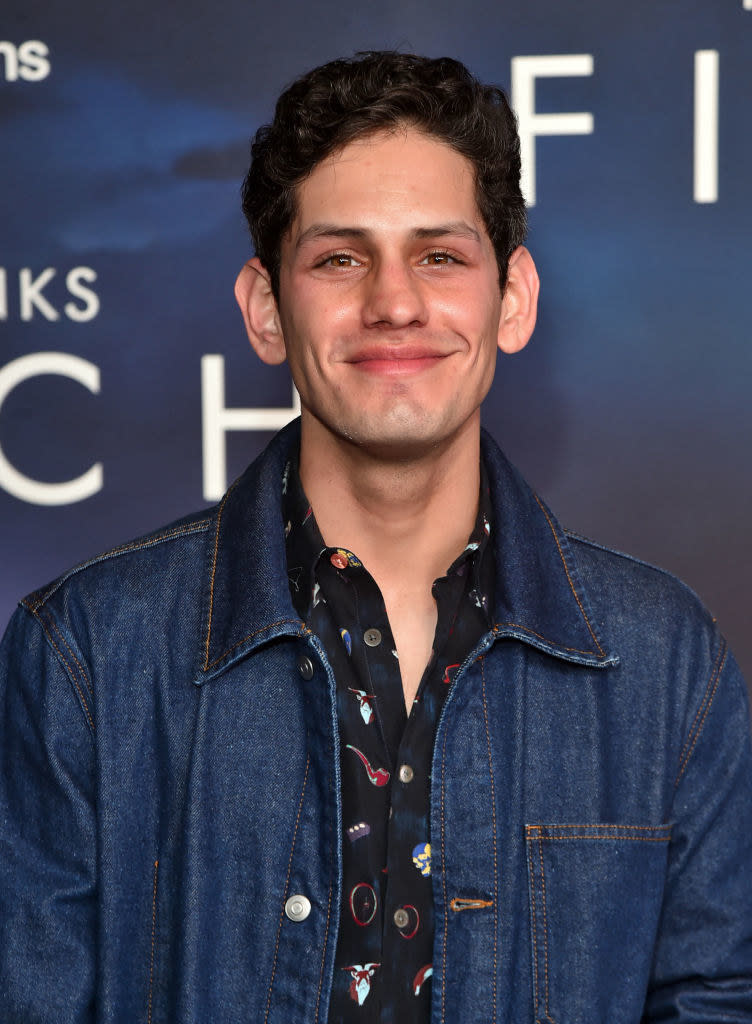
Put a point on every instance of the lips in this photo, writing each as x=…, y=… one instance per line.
x=396, y=358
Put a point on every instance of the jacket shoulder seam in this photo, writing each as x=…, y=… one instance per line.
x=701, y=715
x=67, y=659
x=40, y=597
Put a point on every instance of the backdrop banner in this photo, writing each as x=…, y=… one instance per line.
x=128, y=392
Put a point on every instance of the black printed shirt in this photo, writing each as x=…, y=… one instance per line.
x=384, y=954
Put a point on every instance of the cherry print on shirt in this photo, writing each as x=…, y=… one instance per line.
x=360, y=985
x=378, y=776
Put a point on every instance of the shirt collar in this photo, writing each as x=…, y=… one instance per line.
x=305, y=545
x=539, y=597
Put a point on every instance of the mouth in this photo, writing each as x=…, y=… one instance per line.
x=396, y=359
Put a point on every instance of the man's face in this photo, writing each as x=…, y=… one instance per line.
x=389, y=294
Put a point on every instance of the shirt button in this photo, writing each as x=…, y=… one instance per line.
x=401, y=918
x=339, y=560
x=372, y=637
x=305, y=666
x=406, y=774
x=298, y=908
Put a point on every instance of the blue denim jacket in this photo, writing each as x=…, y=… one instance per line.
x=170, y=778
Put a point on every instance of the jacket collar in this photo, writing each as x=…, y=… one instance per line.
x=539, y=597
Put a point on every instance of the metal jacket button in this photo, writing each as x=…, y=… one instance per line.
x=372, y=637
x=406, y=774
x=305, y=666
x=298, y=907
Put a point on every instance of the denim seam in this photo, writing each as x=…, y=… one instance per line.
x=323, y=952
x=286, y=889
x=545, y=925
x=713, y=671
x=707, y=700
x=153, y=936
x=495, y=850
x=443, y=875
x=569, y=578
x=534, y=929
x=136, y=545
x=541, y=833
x=214, y=573
x=545, y=639
x=69, y=671
x=534, y=830
x=605, y=839
x=249, y=636
x=50, y=619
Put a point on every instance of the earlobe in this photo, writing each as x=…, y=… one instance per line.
x=253, y=291
x=519, y=306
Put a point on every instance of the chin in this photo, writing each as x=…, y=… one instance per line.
x=399, y=438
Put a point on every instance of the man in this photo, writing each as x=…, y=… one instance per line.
x=375, y=739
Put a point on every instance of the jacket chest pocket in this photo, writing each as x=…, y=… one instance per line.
x=595, y=898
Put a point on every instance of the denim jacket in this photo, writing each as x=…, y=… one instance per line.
x=170, y=780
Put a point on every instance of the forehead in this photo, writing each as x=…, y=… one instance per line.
x=401, y=177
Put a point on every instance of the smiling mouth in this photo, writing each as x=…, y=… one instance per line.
x=396, y=360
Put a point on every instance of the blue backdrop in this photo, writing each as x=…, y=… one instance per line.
x=124, y=138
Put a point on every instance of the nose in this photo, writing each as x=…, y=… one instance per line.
x=393, y=297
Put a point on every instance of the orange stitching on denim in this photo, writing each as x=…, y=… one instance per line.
x=554, y=643
x=714, y=671
x=458, y=903
x=534, y=926
x=323, y=953
x=133, y=545
x=493, y=822
x=71, y=674
x=68, y=648
x=443, y=875
x=545, y=925
x=569, y=578
x=701, y=726
x=214, y=573
x=534, y=831
x=248, y=636
x=287, y=883
x=153, y=933
x=628, y=839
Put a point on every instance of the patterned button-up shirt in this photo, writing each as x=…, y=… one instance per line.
x=384, y=952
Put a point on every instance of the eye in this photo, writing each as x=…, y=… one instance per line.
x=439, y=258
x=339, y=260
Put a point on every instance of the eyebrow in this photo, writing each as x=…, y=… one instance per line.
x=456, y=227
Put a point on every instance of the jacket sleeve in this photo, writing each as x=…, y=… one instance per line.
x=47, y=827
x=703, y=958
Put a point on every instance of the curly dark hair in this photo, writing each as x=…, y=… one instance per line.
x=347, y=99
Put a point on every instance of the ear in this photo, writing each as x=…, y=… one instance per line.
x=519, y=305
x=253, y=290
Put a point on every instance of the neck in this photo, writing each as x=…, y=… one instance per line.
x=406, y=518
